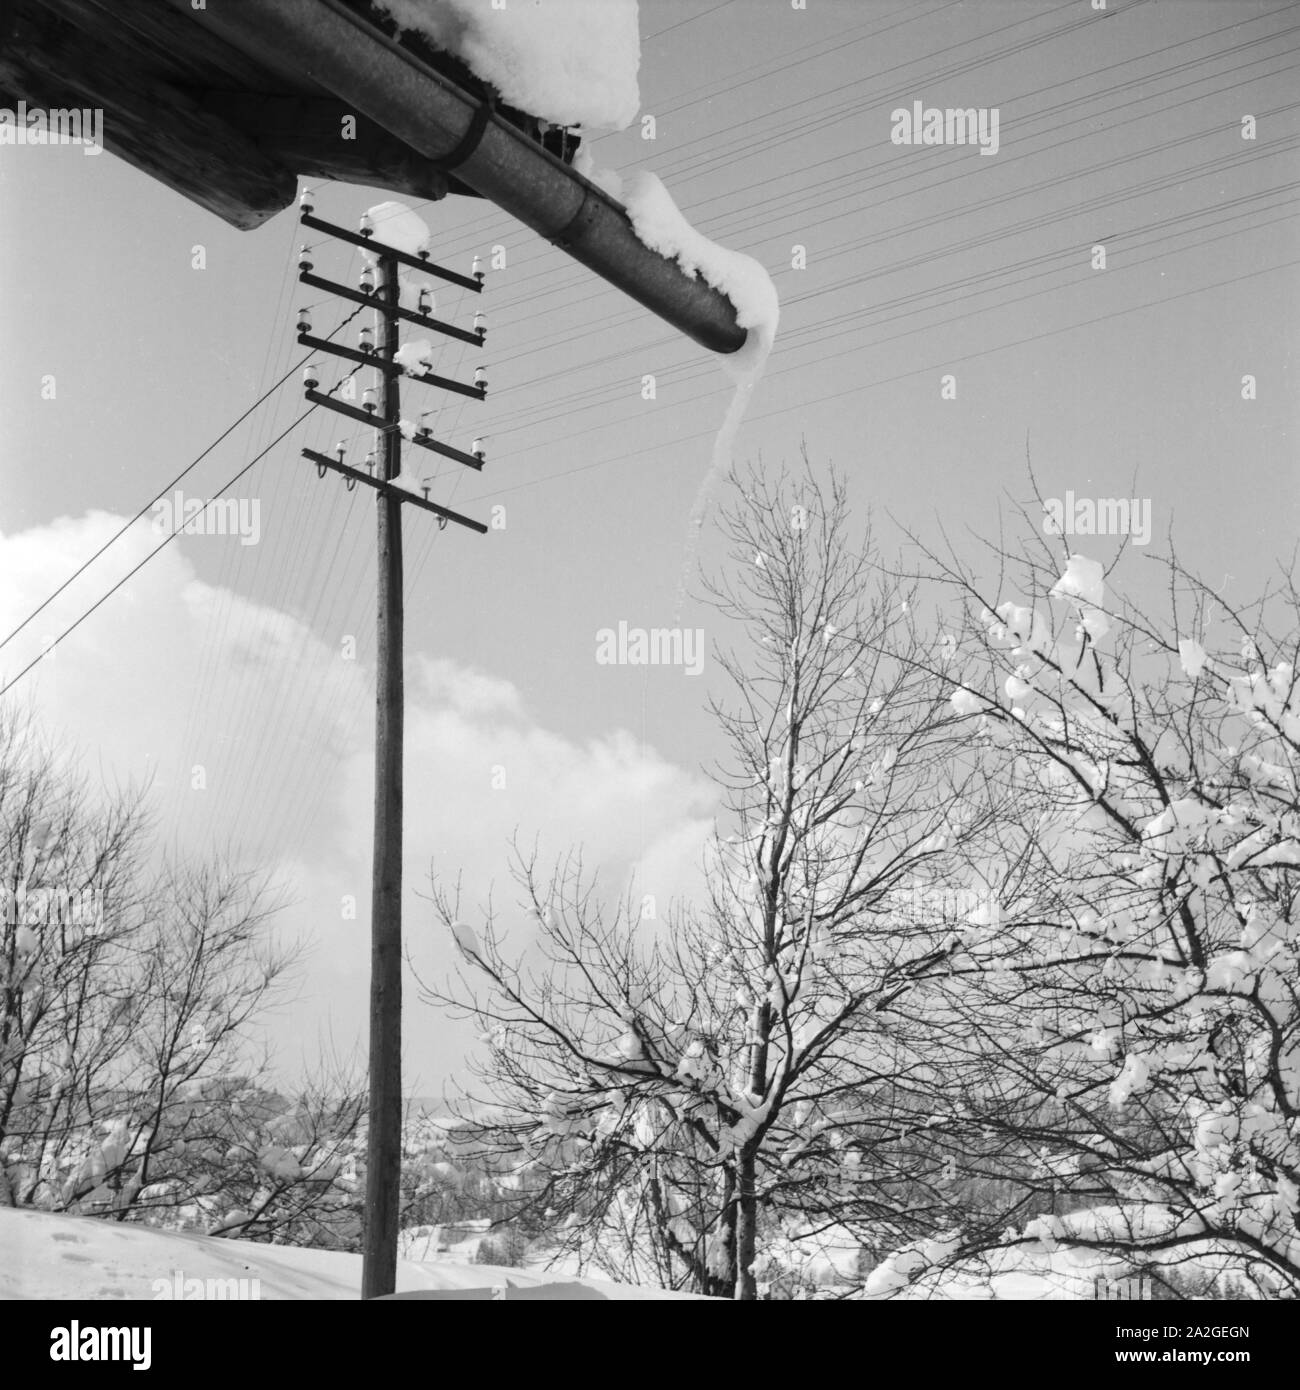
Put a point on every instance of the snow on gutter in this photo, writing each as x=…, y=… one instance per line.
x=383, y=81
x=575, y=62
x=571, y=62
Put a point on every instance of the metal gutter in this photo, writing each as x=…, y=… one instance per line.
x=336, y=48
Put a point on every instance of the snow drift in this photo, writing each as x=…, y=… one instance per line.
x=44, y=1256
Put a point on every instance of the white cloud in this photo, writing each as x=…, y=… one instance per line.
x=173, y=673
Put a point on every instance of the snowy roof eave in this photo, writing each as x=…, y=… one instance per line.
x=229, y=104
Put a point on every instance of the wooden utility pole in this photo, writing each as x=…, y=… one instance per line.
x=384, y=1140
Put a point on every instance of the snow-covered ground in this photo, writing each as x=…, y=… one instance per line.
x=43, y=1256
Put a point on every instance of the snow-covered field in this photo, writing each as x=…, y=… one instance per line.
x=43, y=1256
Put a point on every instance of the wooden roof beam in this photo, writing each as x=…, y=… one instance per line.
x=45, y=60
x=305, y=134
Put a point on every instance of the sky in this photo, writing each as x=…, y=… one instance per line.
x=897, y=266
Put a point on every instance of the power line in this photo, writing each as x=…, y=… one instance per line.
x=277, y=348
x=798, y=127
x=117, y=535
x=1136, y=190
x=885, y=381
x=478, y=229
x=690, y=19
x=943, y=175
x=137, y=568
x=1142, y=188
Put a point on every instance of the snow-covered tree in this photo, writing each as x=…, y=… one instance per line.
x=1134, y=1002
x=129, y=1087
x=689, y=1101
